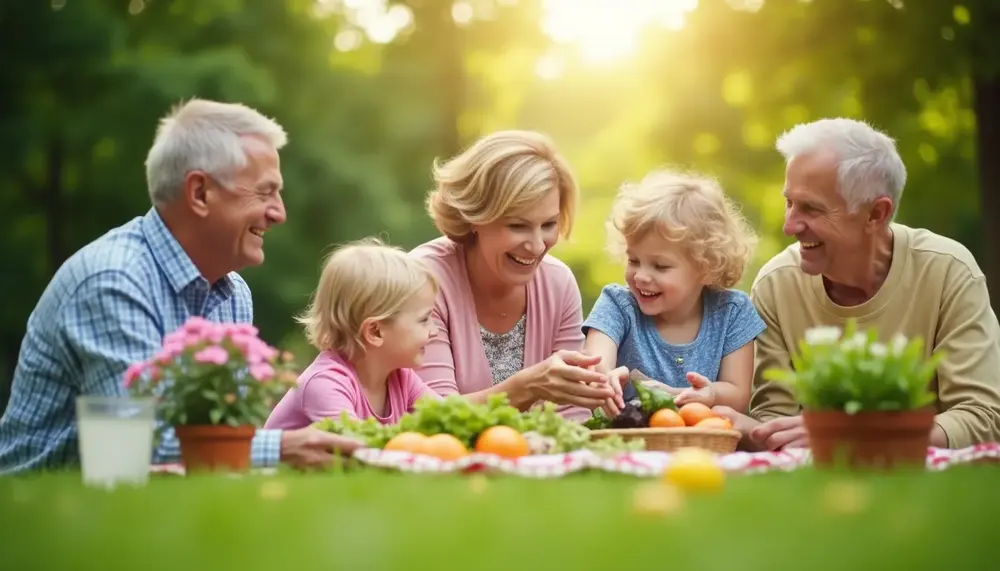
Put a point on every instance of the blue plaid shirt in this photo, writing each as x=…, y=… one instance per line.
x=108, y=306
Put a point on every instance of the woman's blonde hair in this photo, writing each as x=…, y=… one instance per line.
x=691, y=210
x=501, y=174
x=366, y=279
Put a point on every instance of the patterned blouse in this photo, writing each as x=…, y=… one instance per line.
x=504, y=351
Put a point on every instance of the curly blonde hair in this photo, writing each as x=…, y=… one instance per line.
x=501, y=174
x=366, y=279
x=689, y=209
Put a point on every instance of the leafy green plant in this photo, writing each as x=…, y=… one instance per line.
x=370, y=431
x=213, y=373
x=852, y=371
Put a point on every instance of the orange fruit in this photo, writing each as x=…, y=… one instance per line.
x=695, y=412
x=412, y=442
x=445, y=447
x=716, y=422
x=665, y=418
x=503, y=441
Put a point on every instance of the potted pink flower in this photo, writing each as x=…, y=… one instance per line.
x=214, y=384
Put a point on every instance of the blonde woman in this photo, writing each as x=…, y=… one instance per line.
x=508, y=314
x=684, y=245
x=370, y=320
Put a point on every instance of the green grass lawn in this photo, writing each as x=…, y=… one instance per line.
x=371, y=521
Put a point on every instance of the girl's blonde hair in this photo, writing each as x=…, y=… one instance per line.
x=691, y=210
x=366, y=279
x=501, y=174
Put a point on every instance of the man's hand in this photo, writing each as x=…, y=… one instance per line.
x=702, y=390
x=787, y=432
x=311, y=447
x=939, y=439
x=741, y=422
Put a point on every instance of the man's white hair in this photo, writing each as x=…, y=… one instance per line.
x=204, y=135
x=868, y=164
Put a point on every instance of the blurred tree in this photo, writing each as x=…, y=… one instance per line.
x=371, y=98
x=57, y=71
x=84, y=84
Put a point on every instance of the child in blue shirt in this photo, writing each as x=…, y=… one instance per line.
x=677, y=320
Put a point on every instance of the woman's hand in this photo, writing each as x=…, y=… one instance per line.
x=567, y=378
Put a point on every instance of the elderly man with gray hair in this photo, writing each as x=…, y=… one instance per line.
x=843, y=184
x=215, y=185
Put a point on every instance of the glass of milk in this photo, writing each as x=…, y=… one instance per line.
x=116, y=439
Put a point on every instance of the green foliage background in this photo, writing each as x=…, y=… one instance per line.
x=83, y=84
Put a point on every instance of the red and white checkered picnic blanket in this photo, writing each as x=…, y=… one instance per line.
x=642, y=464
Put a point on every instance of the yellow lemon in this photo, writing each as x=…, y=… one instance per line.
x=656, y=499
x=693, y=469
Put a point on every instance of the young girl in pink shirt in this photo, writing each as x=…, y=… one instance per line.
x=370, y=320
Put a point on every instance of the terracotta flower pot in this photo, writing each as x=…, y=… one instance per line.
x=215, y=447
x=869, y=439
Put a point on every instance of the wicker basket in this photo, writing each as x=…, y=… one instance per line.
x=670, y=439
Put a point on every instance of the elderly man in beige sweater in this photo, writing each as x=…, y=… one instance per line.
x=843, y=184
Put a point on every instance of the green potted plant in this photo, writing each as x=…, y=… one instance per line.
x=215, y=383
x=865, y=403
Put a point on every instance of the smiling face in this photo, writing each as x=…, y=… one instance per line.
x=660, y=275
x=817, y=215
x=405, y=335
x=237, y=214
x=511, y=248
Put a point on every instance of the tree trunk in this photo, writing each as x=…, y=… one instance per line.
x=987, y=108
x=9, y=350
x=986, y=105
x=452, y=74
x=52, y=203
x=439, y=38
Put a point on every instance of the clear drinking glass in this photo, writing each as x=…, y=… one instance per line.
x=115, y=439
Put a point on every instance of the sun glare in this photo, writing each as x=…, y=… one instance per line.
x=600, y=31
x=608, y=30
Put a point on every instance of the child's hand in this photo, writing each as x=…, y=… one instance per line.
x=702, y=390
x=616, y=379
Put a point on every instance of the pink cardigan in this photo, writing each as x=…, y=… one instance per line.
x=455, y=362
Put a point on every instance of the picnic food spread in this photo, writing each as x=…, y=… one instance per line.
x=453, y=427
